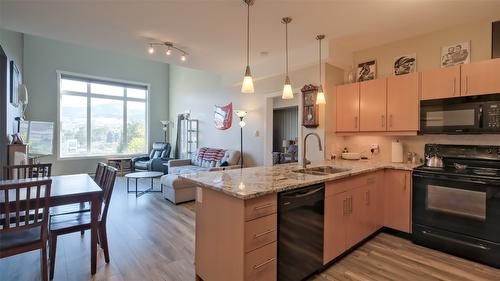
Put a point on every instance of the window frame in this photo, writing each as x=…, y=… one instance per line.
x=62, y=74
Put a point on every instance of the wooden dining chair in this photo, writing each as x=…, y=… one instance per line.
x=80, y=221
x=20, y=233
x=99, y=173
x=27, y=171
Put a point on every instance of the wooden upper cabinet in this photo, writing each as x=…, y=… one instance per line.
x=397, y=201
x=441, y=83
x=348, y=107
x=403, y=103
x=373, y=105
x=480, y=78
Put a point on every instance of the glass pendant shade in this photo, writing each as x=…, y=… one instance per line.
x=320, y=96
x=247, y=86
x=287, y=90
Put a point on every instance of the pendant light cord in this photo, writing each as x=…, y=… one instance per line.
x=320, y=77
x=286, y=46
x=248, y=34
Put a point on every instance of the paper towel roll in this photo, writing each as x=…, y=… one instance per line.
x=397, y=152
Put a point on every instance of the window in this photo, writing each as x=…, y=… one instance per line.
x=101, y=118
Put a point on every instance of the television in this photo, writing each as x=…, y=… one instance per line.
x=39, y=136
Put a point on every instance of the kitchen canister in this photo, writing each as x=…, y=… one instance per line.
x=397, y=152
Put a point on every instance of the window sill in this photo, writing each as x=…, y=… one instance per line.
x=102, y=157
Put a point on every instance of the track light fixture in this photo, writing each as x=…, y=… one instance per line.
x=170, y=46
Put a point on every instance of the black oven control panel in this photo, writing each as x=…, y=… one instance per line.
x=492, y=113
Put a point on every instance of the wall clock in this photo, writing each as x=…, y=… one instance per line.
x=310, y=114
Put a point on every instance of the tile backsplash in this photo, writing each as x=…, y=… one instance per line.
x=410, y=143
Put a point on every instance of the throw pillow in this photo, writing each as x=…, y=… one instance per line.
x=224, y=164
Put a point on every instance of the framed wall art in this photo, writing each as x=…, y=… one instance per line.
x=367, y=70
x=405, y=64
x=455, y=54
x=223, y=116
x=15, y=80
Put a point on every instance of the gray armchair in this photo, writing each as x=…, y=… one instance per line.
x=159, y=155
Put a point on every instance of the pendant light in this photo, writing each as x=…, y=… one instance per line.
x=320, y=96
x=287, y=88
x=247, y=85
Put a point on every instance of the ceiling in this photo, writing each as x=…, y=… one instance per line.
x=213, y=31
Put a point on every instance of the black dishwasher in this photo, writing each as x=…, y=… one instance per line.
x=300, y=232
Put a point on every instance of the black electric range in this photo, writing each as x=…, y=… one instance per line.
x=456, y=208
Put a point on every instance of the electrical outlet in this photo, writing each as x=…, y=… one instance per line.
x=375, y=148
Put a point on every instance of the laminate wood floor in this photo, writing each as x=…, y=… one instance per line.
x=153, y=239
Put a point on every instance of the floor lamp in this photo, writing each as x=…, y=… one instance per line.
x=241, y=114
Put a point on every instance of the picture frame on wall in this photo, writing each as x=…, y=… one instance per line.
x=15, y=80
x=367, y=70
x=405, y=64
x=455, y=54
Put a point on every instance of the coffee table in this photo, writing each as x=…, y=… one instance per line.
x=143, y=175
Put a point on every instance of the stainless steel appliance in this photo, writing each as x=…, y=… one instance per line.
x=300, y=232
x=462, y=115
x=456, y=208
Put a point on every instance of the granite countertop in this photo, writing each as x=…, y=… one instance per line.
x=253, y=182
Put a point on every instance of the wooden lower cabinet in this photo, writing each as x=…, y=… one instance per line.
x=352, y=213
x=397, y=200
x=235, y=239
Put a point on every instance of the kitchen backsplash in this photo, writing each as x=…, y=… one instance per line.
x=410, y=143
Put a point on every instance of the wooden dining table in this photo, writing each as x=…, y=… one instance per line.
x=72, y=189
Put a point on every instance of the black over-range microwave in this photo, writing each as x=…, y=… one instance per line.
x=462, y=115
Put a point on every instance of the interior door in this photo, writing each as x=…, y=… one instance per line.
x=403, y=102
x=397, y=201
x=480, y=78
x=348, y=107
x=441, y=83
x=373, y=105
x=3, y=105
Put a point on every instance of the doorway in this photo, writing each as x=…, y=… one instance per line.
x=285, y=134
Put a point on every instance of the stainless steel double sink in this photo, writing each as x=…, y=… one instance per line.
x=322, y=170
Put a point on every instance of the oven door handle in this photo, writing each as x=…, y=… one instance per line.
x=448, y=177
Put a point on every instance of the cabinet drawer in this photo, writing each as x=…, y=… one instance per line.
x=261, y=264
x=342, y=185
x=260, y=232
x=261, y=206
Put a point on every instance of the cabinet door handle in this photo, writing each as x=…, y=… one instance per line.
x=454, y=86
x=383, y=120
x=367, y=198
x=466, y=84
x=264, y=233
x=255, y=267
x=345, y=207
x=404, y=187
x=390, y=120
x=350, y=205
x=356, y=122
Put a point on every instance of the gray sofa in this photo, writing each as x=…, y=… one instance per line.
x=177, y=190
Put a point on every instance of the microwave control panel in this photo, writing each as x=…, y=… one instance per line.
x=493, y=116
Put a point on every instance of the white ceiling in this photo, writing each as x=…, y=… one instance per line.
x=213, y=32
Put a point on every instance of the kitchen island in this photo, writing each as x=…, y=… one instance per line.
x=237, y=217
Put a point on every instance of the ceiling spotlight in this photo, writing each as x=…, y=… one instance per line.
x=168, y=47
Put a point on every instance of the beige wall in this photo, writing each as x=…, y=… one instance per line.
x=428, y=48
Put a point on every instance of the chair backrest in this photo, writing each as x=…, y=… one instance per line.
x=27, y=171
x=160, y=150
x=108, y=185
x=24, y=205
x=99, y=173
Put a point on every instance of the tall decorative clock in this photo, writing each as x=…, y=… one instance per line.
x=310, y=115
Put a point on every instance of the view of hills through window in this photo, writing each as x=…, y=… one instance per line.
x=101, y=118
